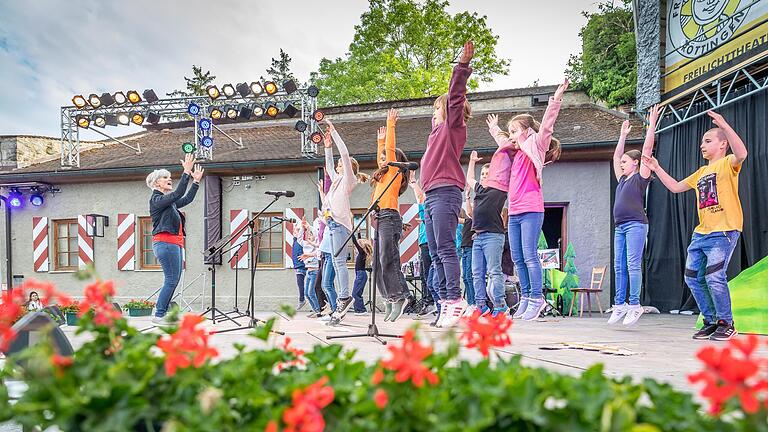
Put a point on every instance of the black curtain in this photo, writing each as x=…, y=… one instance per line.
x=212, y=215
x=673, y=217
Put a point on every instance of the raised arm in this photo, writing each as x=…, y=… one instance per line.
x=473, y=159
x=650, y=134
x=420, y=197
x=619, y=151
x=389, y=140
x=196, y=175
x=457, y=89
x=162, y=201
x=502, y=140
x=670, y=183
x=330, y=170
x=346, y=162
x=737, y=145
x=550, y=116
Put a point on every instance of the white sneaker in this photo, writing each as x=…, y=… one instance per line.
x=633, y=314
x=162, y=321
x=618, y=313
x=324, y=318
x=443, y=313
x=470, y=310
x=455, y=311
x=521, y=308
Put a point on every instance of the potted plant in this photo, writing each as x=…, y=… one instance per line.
x=137, y=308
x=70, y=311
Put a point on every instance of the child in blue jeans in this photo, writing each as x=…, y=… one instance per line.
x=362, y=262
x=310, y=257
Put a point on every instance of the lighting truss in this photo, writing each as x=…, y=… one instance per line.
x=171, y=109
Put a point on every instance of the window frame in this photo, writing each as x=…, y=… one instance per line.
x=56, y=224
x=268, y=234
x=140, y=245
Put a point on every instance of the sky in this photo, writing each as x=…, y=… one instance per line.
x=51, y=50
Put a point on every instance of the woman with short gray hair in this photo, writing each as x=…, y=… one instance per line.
x=168, y=226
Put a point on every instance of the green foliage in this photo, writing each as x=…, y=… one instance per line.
x=139, y=304
x=197, y=84
x=404, y=49
x=606, y=69
x=571, y=279
x=542, y=241
x=280, y=71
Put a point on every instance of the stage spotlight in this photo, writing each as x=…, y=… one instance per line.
x=272, y=110
x=100, y=121
x=256, y=88
x=83, y=121
x=206, y=142
x=258, y=111
x=243, y=89
x=231, y=112
x=289, y=86
x=153, y=117
x=205, y=124
x=137, y=118
x=213, y=92
x=318, y=116
x=228, y=90
x=246, y=113
x=313, y=91
x=36, y=199
x=93, y=99
x=300, y=126
x=111, y=120
x=119, y=98
x=316, y=137
x=150, y=96
x=290, y=110
x=15, y=199
x=193, y=109
x=79, y=101
x=123, y=119
x=270, y=87
x=106, y=99
x=188, y=147
x=216, y=113
x=133, y=97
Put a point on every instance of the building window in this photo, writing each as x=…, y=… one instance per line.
x=65, y=246
x=357, y=214
x=147, y=259
x=270, y=245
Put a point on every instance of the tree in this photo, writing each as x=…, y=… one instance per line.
x=405, y=49
x=606, y=69
x=543, y=245
x=196, y=85
x=280, y=71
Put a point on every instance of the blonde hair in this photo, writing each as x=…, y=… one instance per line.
x=361, y=177
x=155, y=175
x=442, y=101
x=527, y=121
x=368, y=248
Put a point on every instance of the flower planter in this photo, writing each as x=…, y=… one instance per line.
x=72, y=318
x=139, y=312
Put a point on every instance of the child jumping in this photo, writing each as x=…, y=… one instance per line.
x=310, y=257
x=720, y=224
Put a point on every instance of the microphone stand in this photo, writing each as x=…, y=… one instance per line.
x=373, y=330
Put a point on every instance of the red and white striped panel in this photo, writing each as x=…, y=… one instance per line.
x=84, y=241
x=290, y=213
x=409, y=243
x=237, y=220
x=40, y=243
x=126, y=241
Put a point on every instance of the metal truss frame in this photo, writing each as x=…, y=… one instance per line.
x=173, y=108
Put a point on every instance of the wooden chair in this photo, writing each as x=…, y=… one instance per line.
x=596, y=287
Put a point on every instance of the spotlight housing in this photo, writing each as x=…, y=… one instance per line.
x=243, y=89
x=107, y=99
x=313, y=91
x=206, y=142
x=36, y=199
x=111, y=120
x=290, y=110
x=94, y=100
x=300, y=126
x=137, y=118
x=256, y=88
x=119, y=98
x=272, y=110
x=193, y=109
x=83, y=121
x=150, y=96
x=246, y=113
x=205, y=124
x=270, y=87
x=79, y=101
x=318, y=115
x=15, y=199
x=290, y=86
x=316, y=137
x=216, y=113
x=124, y=119
x=133, y=97
x=213, y=92
x=231, y=112
x=228, y=90
x=100, y=121
x=188, y=147
x=258, y=111
x=153, y=117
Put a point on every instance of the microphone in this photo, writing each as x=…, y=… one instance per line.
x=282, y=219
x=404, y=165
x=278, y=194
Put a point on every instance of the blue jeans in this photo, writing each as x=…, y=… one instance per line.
x=442, y=213
x=169, y=257
x=628, y=244
x=486, y=260
x=705, y=267
x=466, y=274
x=339, y=234
x=524, y=232
x=300, y=275
x=309, y=290
x=361, y=277
x=328, y=275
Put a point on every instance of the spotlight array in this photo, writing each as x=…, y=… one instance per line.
x=16, y=196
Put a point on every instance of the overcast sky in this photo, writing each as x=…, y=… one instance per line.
x=51, y=50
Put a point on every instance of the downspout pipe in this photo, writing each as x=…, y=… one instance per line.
x=8, y=255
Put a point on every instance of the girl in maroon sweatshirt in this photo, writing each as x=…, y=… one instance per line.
x=442, y=179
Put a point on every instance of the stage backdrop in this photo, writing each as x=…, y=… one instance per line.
x=673, y=216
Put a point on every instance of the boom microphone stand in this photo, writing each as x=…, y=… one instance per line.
x=373, y=330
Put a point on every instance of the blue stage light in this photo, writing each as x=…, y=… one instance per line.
x=36, y=200
x=205, y=124
x=15, y=199
x=206, y=142
x=193, y=109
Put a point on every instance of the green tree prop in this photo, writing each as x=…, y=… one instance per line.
x=543, y=245
x=571, y=279
x=405, y=49
x=607, y=67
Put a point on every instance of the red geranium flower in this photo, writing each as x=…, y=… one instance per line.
x=406, y=361
x=732, y=372
x=305, y=415
x=380, y=397
x=485, y=332
x=98, y=297
x=298, y=354
x=271, y=426
x=187, y=347
x=378, y=376
x=60, y=363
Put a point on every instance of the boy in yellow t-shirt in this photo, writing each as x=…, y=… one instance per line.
x=720, y=223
